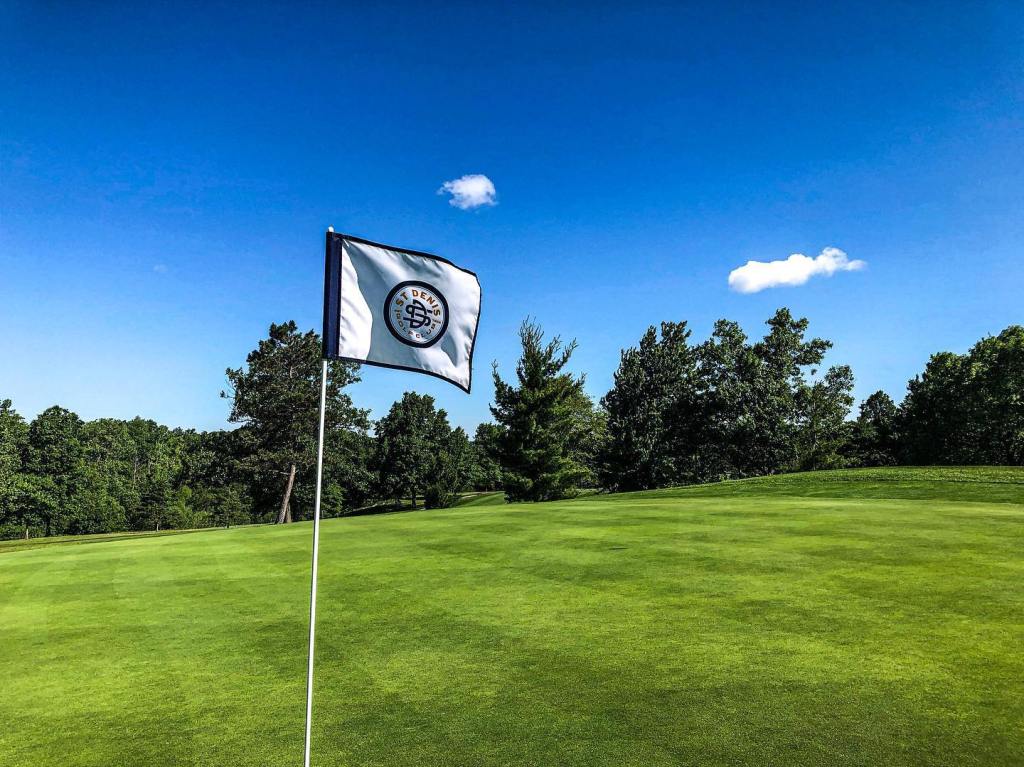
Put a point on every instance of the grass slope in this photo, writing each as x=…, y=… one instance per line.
x=482, y=499
x=807, y=621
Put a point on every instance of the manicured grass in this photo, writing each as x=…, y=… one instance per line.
x=807, y=621
x=987, y=484
x=482, y=499
x=19, y=544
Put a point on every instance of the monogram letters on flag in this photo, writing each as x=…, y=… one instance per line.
x=400, y=309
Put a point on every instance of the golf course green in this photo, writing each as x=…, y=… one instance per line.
x=871, y=617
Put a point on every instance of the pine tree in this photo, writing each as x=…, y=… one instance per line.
x=276, y=397
x=538, y=418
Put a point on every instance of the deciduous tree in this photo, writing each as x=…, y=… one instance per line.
x=822, y=429
x=873, y=437
x=410, y=439
x=968, y=408
x=648, y=408
x=13, y=439
x=486, y=470
x=53, y=456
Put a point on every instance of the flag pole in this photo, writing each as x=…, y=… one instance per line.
x=316, y=514
x=316, y=551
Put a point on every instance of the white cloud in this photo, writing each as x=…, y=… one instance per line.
x=795, y=270
x=160, y=268
x=470, y=191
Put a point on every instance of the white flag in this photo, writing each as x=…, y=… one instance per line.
x=400, y=309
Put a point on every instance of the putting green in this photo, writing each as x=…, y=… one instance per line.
x=844, y=618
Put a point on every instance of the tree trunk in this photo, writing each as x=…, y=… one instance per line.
x=285, y=514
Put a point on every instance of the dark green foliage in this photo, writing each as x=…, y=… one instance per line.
x=109, y=475
x=13, y=438
x=742, y=409
x=723, y=434
x=822, y=429
x=968, y=408
x=53, y=459
x=224, y=505
x=540, y=420
x=588, y=437
x=348, y=479
x=648, y=411
x=276, y=397
x=409, y=439
x=677, y=414
x=60, y=476
x=116, y=465
x=726, y=408
x=34, y=504
x=770, y=420
x=418, y=455
x=452, y=472
x=486, y=474
x=873, y=436
x=933, y=419
x=746, y=409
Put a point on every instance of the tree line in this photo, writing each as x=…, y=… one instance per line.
x=678, y=412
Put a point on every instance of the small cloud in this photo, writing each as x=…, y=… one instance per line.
x=160, y=268
x=468, y=192
x=795, y=270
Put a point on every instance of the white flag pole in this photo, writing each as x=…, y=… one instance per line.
x=316, y=551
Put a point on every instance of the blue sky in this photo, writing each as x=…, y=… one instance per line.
x=166, y=176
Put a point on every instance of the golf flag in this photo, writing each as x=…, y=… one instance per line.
x=400, y=309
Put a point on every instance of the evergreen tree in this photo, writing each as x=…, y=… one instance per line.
x=276, y=397
x=538, y=419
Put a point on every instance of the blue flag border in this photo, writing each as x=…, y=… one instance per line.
x=332, y=305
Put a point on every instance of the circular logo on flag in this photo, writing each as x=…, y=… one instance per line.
x=416, y=313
